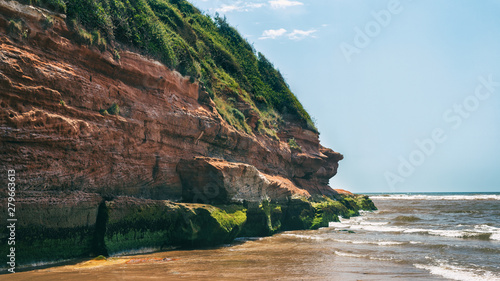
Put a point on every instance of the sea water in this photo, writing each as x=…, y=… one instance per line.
x=411, y=237
x=453, y=235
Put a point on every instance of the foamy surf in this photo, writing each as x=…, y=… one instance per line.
x=379, y=243
x=483, y=232
x=352, y=255
x=300, y=236
x=435, y=197
x=459, y=273
x=451, y=236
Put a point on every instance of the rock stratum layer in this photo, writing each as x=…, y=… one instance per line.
x=89, y=183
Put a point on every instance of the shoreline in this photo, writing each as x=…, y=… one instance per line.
x=125, y=225
x=258, y=261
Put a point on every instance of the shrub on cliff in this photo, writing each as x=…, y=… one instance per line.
x=17, y=28
x=292, y=143
x=238, y=115
x=114, y=109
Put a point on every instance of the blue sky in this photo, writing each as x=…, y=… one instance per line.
x=406, y=90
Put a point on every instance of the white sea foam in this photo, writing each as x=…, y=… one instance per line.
x=458, y=273
x=344, y=254
x=495, y=236
x=355, y=221
x=477, y=232
x=343, y=241
x=483, y=228
x=486, y=227
x=436, y=197
x=300, y=236
x=468, y=233
x=377, y=228
x=379, y=243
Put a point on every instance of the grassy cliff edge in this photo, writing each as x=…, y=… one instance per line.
x=242, y=82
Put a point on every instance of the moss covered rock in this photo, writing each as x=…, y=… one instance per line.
x=135, y=224
x=74, y=226
x=53, y=227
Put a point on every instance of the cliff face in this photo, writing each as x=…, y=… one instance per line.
x=80, y=169
x=54, y=135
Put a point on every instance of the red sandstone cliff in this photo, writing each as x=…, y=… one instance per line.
x=53, y=135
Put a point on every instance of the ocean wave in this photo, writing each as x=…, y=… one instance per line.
x=379, y=243
x=495, y=236
x=459, y=273
x=466, y=234
x=301, y=236
x=480, y=232
x=436, y=197
x=371, y=257
x=344, y=254
x=495, y=231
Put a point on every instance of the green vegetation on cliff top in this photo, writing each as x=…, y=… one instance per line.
x=242, y=82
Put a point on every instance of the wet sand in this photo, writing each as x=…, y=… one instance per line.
x=272, y=258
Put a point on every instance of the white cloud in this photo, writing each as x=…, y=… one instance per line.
x=281, y=4
x=256, y=5
x=273, y=33
x=239, y=7
x=227, y=8
x=298, y=34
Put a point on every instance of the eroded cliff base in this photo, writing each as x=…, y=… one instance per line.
x=81, y=226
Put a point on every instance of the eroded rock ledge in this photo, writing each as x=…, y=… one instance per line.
x=216, y=181
x=90, y=184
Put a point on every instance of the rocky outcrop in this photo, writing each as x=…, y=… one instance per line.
x=146, y=225
x=220, y=182
x=53, y=226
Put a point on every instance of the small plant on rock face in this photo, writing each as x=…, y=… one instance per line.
x=114, y=109
x=61, y=102
x=104, y=112
x=16, y=27
x=292, y=143
x=238, y=115
x=116, y=54
x=48, y=22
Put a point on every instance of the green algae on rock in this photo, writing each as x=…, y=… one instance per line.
x=135, y=224
x=128, y=225
x=53, y=228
